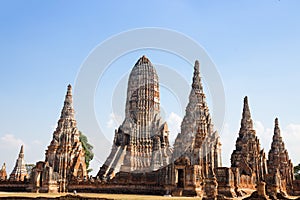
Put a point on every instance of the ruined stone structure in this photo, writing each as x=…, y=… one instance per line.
x=197, y=148
x=141, y=153
x=65, y=156
x=248, y=160
x=19, y=172
x=3, y=174
x=141, y=143
x=142, y=161
x=280, y=168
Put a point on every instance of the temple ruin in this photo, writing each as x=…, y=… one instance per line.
x=248, y=160
x=3, y=174
x=141, y=143
x=197, y=148
x=19, y=172
x=142, y=160
x=280, y=168
x=65, y=156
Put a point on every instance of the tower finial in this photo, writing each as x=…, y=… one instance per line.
x=69, y=88
x=68, y=110
x=19, y=171
x=197, y=65
x=196, y=78
x=246, y=122
x=21, y=154
x=276, y=128
x=142, y=60
x=22, y=149
x=3, y=167
x=246, y=109
x=246, y=99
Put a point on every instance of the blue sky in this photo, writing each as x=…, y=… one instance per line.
x=254, y=45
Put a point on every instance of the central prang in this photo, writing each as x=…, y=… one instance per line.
x=141, y=143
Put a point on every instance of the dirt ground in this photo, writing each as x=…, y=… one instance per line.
x=93, y=195
x=3, y=195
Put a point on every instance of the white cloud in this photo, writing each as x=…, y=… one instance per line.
x=264, y=135
x=37, y=142
x=174, y=122
x=228, y=138
x=114, y=120
x=9, y=148
x=290, y=135
x=293, y=130
x=10, y=141
x=259, y=127
x=226, y=132
x=291, y=138
x=53, y=127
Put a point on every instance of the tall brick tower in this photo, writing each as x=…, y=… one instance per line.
x=141, y=143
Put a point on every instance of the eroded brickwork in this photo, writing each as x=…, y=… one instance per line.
x=280, y=167
x=197, y=148
x=141, y=143
x=19, y=172
x=65, y=156
x=248, y=160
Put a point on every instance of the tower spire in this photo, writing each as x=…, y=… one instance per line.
x=143, y=60
x=21, y=154
x=248, y=157
x=68, y=111
x=276, y=127
x=3, y=174
x=65, y=154
x=19, y=172
x=278, y=159
x=196, y=78
x=246, y=122
x=197, y=141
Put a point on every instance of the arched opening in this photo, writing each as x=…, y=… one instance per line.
x=80, y=172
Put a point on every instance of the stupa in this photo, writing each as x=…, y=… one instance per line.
x=197, y=148
x=65, y=156
x=248, y=160
x=19, y=172
x=280, y=167
x=3, y=174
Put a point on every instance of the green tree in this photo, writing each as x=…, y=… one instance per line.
x=297, y=172
x=29, y=168
x=88, y=148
